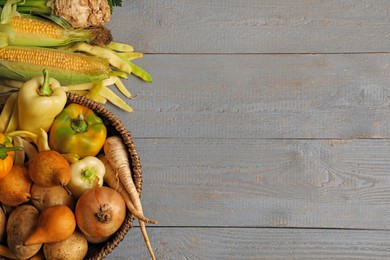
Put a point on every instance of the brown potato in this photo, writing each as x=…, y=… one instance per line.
x=44, y=197
x=3, y=224
x=21, y=223
x=74, y=248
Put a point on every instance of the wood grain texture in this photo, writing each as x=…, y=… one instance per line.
x=254, y=26
x=256, y=243
x=267, y=183
x=265, y=133
x=262, y=96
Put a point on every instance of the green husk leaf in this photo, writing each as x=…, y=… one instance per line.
x=57, y=20
x=8, y=11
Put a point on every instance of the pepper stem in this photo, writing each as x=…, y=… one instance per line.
x=45, y=89
x=4, y=150
x=88, y=174
x=79, y=124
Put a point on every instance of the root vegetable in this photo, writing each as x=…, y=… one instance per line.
x=100, y=212
x=38, y=256
x=55, y=224
x=75, y=247
x=112, y=180
x=117, y=156
x=83, y=14
x=44, y=197
x=21, y=223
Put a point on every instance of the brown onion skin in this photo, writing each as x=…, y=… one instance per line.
x=100, y=212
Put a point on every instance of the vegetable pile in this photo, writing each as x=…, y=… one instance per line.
x=67, y=171
x=65, y=180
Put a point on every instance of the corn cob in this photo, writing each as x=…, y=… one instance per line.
x=28, y=30
x=23, y=63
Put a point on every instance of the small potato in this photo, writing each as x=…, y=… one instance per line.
x=44, y=197
x=73, y=248
x=3, y=224
x=21, y=223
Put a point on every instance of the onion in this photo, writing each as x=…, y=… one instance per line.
x=100, y=212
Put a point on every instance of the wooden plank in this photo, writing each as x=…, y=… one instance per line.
x=262, y=96
x=267, y=183
x=253, y=26
x=256, y=243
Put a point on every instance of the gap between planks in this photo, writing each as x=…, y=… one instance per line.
x=271, y=227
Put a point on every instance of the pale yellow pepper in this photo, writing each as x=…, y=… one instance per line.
x=87, y=173
x=40, y=100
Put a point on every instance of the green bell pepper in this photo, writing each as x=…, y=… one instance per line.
x=77, y=130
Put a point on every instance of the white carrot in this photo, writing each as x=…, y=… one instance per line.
x=116, y=153
x=112, y=180
x=117, y=156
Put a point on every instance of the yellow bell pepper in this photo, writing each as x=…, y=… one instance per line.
x=40, y=100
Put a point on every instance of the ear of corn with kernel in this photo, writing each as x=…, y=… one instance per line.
x=28, y=30
x=23, y=63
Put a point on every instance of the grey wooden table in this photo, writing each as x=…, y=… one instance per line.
x=265, y=134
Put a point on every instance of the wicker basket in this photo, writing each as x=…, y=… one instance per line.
x=114, y=127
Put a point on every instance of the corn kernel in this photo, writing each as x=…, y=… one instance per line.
x=35, y=26
x=53, y=58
